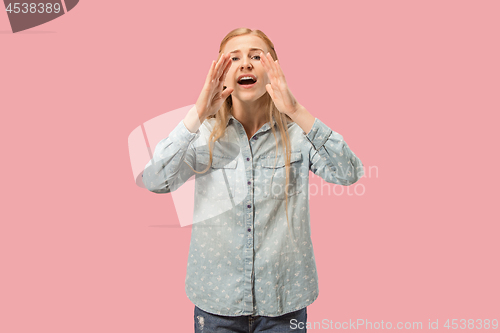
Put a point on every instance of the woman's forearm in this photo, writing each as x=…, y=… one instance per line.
x=193, y=120
x=303, y=118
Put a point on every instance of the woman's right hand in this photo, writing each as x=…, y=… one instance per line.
x=213, y=93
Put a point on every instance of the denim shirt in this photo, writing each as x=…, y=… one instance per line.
x=242, y=259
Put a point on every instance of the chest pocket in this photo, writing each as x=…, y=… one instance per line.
x=219, y=181
x=275, y=187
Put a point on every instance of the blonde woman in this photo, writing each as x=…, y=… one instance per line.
x=250, y=145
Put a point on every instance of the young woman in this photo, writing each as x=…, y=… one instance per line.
x=251, y=145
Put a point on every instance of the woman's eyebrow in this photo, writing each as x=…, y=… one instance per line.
x=252, y=49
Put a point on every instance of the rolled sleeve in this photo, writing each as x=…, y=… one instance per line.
x=318, y=134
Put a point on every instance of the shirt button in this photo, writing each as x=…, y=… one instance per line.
x=248, y=158
x=249, y=206
x=255, y=138
x=249, y=183
x=249, y=229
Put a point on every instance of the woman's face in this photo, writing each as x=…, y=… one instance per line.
x=245, y=58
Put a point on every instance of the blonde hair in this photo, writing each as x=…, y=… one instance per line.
x=281, y=119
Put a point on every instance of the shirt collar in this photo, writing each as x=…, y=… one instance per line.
x=266, y=126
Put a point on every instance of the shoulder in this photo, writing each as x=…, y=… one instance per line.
x=207, y=126
x=297, y=136
x=294, y=128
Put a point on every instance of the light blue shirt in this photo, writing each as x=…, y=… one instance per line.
x=242, y=260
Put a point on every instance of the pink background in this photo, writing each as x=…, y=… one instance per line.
x=412, y=86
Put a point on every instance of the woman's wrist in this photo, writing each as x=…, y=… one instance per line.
x=193, y=119
x=303, y=118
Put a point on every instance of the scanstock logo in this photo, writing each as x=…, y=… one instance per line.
x=26, y=15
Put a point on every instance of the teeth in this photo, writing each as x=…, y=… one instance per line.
x=247, y=77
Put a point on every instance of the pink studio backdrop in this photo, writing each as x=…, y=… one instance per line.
x=412, y=86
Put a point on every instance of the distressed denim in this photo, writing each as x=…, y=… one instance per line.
x=243, y=258
x=292, y=322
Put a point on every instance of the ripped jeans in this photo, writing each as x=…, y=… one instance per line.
x=205, y=322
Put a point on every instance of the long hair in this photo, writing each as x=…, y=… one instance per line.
x=281, y=119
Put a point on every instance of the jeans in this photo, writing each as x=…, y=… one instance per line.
x=205, y=322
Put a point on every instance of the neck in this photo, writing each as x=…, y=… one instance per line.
x=252, y=115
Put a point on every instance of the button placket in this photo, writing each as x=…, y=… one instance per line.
x=248, y=214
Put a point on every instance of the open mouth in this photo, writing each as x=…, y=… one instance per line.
x=247, y=81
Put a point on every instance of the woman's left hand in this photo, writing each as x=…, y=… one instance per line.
x=278, y=89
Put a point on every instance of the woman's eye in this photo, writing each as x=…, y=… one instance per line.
x=258, y=58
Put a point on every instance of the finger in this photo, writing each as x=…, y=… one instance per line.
x=264, y=62
x=280, y=71
x=222, y=78
x=218, y=66
x=272, y=64
x=226, y=69
x=276, y=70
x=225, y=94
x=210, y=72
x=267, y=68
x=270, y=90
x=224, y=65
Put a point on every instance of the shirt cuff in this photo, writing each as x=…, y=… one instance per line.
x=181, y=132
x=318, y=134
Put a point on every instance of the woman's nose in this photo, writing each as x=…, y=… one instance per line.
x=246, y=65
